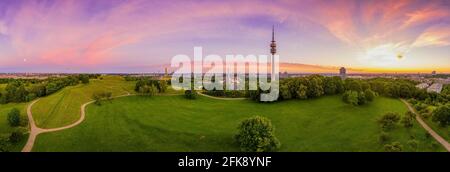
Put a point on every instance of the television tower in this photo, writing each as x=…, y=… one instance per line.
x=273, y=50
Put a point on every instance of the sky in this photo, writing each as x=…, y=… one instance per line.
x=144, y=35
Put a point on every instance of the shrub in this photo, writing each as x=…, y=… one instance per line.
x=408, y=119
x=389, y=120
x=351, y=97
x=15, y=137
x=413, y=144
x=257, y=135
x=370, y=95
x=101, y=95
x=384, y=137
x=393, y=147
x=442, y=116
x=4, y=144
x=14, y=117
x=190, y=94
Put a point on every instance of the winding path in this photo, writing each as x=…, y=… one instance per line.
x=35, y=130
x=220, y=98
x=436, y=136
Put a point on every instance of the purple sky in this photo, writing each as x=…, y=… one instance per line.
x=143, y=35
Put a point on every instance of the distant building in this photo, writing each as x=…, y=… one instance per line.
x=422, y=86
x=436, y=87
x=433, y=73
x=343, y=72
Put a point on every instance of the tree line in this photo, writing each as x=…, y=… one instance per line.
x=26, y=90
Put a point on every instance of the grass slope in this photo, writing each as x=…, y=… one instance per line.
x=172, y=123
x=63, y=108
x=5, y=129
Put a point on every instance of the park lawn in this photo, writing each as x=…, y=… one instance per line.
x=173, y=123
x=6, y=130
x=63, y=107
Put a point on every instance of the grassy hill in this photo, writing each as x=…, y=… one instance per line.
x=63, y=108
x=173, y=123
x=5, y=129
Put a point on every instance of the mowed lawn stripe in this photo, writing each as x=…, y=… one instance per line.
x=63, y=108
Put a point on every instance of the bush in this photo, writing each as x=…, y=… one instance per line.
x=14, y=117
x=413, y=144
x=370, y=95
x=101, y=95
x=4, y=144
x=389, y=120
x=442, y=116
x=384, y=137
x=393, y=147
x=15, y=137
x=351, y=97
x=408, y=119
x=257, y=135
x=190, y=94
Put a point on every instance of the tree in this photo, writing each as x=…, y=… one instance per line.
x=190, y=94
x=393, y=147
x=389, y=120
x=285, y=92
x=256, y=134
x=84, y=78
x=370, y=95
x=301, y=92
x=15, y=137
x=162, y=86
x=361, y=98
x=14, y=117
x=413, y=144
x=329, y=86
x=351, y=97
x=408, y=119
x=442, y=115
x=152, y=90
x=4, y=144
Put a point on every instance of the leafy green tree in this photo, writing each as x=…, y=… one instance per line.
x=370, y=95
x=190, y=94
x=389, y=120
x=408, y=119
x=301, y=92
x=162, y=86
x=256, y=134
x=152, y=90
x=15, y=137
x=4, y=144
x=442, y=115
x=361, y=98
x=351, y=97
x=329, y=86
x=285, y=92
x=413, y=144
x=14, y=117
x=84, y=78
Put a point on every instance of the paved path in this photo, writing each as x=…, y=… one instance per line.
x=436, y=136
x=220, y=98
x=35, y=130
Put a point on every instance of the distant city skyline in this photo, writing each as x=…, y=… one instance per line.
x=411, y=36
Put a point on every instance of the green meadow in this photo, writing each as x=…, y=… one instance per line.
x=63, y=108
x=5, y=129
x=173, y=123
